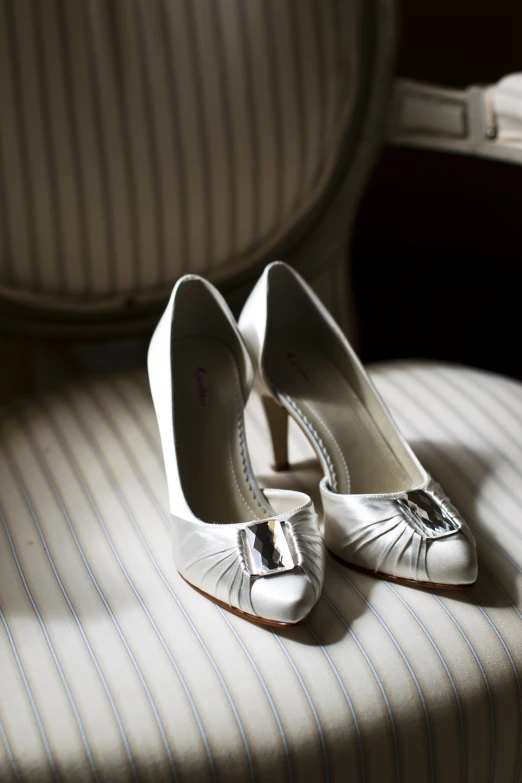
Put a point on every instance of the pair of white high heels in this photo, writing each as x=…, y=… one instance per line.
x=260, y=553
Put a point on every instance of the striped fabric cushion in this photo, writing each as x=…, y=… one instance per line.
x=141, y=139
x=113, y=668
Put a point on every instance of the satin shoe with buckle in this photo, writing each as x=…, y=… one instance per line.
x=258, y=553
x=382, y=512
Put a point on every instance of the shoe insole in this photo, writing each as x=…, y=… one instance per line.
x=354, y=453
x=210, y=441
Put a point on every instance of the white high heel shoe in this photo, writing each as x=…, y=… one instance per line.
x=257, y=553
x=382, y=511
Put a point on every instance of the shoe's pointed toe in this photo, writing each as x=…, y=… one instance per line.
x=283, y=598
x=452, y=561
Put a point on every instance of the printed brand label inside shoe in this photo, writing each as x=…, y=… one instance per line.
x=203, y=389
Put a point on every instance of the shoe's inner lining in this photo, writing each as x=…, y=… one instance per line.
x=355, y=455
x=210, y=443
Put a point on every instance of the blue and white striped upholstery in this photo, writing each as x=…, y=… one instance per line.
x=113, y=668
x=142, y=139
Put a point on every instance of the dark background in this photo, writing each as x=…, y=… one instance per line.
x=438, y=240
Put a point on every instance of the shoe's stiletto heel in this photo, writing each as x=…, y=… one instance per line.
x=382, y=511
x=277, y=419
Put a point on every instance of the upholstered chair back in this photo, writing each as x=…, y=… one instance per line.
x=143, y=139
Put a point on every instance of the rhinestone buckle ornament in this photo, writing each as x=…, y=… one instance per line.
x=266, y=548
x=426, y=515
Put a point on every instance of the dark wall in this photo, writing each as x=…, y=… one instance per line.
x=460, y=42
x=437, y=255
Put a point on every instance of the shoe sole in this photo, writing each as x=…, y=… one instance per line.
x=400, y=580
x=245, y=615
